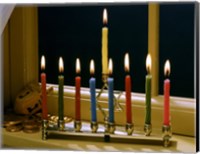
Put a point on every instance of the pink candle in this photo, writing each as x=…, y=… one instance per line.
x=167, y=95
x=44, y=94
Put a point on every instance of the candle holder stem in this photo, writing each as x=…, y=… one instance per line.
x=147, y=129
x=61, y=125
x=166, y=130
x=129, y=128
x=77, y=125
x=44, y=129
x=94, y=126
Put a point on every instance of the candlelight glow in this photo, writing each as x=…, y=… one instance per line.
x=78, y=66
x=61, y=65
x=126, y=62
x=105, y=16
x=148, y=63
x=92, y=70
x=43, y=63
x=110, y=67
x=167, y=68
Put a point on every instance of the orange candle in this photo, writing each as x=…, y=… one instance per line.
x=44, y=94
x=78, y=94
x=128, y=90
x=166, y=94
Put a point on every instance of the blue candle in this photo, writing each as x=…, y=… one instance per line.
x=110, y=93
x=110, y=99
x=93, y=98
x=92, y=83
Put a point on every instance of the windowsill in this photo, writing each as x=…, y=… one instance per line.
x=20, y=140
x=180, y=108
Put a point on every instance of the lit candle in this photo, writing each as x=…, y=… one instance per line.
x=148, y=90
x=166, y=93
x=78, y=94
x=60, y=91
x=93, y=92
x=44, y=94
x=128, y=89
x=110, y=93
x=105, y=43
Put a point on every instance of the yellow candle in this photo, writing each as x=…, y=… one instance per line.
x=105, y=44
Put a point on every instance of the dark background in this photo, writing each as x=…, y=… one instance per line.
x=75, y=32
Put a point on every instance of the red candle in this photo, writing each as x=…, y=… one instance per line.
x=78, y=94
x=44, y=94
x=128, y=90
x=166, y=94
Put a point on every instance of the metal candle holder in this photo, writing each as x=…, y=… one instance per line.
x=60, y=130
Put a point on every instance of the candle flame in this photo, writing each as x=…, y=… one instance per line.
x=110, y=67
x=167, y=68
x=126, y=62
x=78, y=66
x=92, y=67
x=61, y=65
x=105, y=16
x=148, y=63
x=43, y=63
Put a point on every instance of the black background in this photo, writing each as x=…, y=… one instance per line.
x=75, y=32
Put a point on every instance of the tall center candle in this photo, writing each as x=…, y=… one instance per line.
x=167, y=95
x=128, y=90
x=105, y=43
x=110, y=93
x=60, y=90
x=92, y=83
x=44, y=94
x=148, y=90
x=78, y=94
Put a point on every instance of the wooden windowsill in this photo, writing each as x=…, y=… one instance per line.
x=180, y=108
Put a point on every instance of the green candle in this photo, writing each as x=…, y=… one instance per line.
x=148, y=91
x=60, y=90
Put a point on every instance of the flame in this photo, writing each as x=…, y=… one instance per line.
x=148, y=63
x=110, y=66
x=92, y=67
x=43, y=63
x=167, y=68
x=105, y=16
x=126, y=62
x=78, y=66
x=61, y=65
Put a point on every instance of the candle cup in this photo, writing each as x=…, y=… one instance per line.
x=77, y=125
x=94, y=126
x=166, y=130
x=147, y=129
x=61, y=125
x=106, y=125
x=129, y=128
x=111, y=128
x=44, y=129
